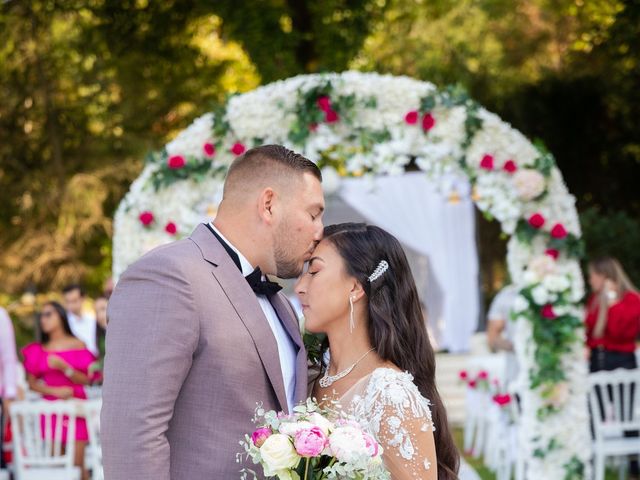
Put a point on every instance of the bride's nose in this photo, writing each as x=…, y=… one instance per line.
x=300, y=286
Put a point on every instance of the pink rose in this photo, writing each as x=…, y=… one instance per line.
x=371, y=444
x=487, y=162
x=310, y=442
x=331, y=116
x=146, y=218
x=238, y=148
x=552, y=252
x=536, y=220
x=502, y=400
x=171, y=228
x=472, y=384
x=483, y=375
x=558, y=231
x=510, y=166
x=463, y=375
x=209, y=149
x=175, y=162
x=260, y=435
x=547, y=312
x=324, y=103
x=411, y=118
x=428, y=122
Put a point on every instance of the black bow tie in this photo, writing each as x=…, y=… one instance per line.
x=260, y=286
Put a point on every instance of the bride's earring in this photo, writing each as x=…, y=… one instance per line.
x=352, y=323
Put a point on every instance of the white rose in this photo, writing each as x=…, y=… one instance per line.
x=520, y=304
x=347, y=444
x=291, y=428
x=529, y=183
x=540, y=295
x=278, y=454
x=556, y=283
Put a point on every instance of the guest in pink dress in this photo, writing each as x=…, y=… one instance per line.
x=58, y=368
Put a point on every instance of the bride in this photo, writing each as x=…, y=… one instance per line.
x=359, y=290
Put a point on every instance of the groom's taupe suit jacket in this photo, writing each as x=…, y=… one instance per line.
x=189, y=355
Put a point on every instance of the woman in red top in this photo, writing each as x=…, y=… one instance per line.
x=613, y=316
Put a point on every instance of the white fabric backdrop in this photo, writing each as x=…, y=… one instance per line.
x=441, y=233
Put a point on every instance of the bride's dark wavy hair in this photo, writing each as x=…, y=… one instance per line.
x=397, y=327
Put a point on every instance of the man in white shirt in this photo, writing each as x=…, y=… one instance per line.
x=82, y=325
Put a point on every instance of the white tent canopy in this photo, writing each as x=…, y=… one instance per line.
x=439, y=239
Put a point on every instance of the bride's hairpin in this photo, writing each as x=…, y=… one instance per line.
x=382, y=267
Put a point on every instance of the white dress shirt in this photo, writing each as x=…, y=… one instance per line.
x=84, y=328
x=286, y=347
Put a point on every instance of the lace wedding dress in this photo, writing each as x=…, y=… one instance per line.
x=398, y=416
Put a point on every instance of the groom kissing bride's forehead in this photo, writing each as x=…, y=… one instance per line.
x=198, y=335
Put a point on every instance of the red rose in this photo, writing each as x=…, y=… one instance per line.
x=331, y=116
x=536, y=220
x=483, y=375
x=176, y=162
x=238, y=148
x=487, y=162
x=146, y=218
x=502, y=400
x=428, y=122
x=324, y=103
x=209, y=149
x=463, y=375
x=313, y=127
x=558, y=231
x=547, y=312
x=411, y=118
x=552, y=252
x=472, y=384
x=171, y=228
x=510, y=166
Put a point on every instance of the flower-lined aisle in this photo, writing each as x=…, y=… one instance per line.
x=356, y=124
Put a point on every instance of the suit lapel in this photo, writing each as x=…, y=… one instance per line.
x=246, y=305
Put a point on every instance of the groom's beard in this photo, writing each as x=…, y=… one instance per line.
x=287, y=266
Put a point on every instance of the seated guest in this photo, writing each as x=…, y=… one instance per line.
x=58, y=367
x=82, y=325
x=612, y=316
x=500, y=326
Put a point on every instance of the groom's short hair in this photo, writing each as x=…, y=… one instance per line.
x=265, y=165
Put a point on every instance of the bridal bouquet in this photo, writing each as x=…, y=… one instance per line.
x=312, y=444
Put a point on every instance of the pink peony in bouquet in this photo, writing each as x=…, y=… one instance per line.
x=312, y=444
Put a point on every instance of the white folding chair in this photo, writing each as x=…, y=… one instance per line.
x=4, y=475
x=38, y=447
x=615, y=408
x=90, y=410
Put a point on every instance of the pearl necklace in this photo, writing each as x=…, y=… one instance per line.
x=329, y=380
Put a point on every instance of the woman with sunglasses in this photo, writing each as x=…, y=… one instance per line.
x=58, y=368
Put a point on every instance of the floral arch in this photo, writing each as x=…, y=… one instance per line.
x=357, y=124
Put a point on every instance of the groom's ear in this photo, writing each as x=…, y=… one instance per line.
x=265, y=204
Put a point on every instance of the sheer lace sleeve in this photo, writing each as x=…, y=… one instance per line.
x=400, y=419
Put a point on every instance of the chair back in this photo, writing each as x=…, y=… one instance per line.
x=91, y=412
x=614, y=402
x=43, y=434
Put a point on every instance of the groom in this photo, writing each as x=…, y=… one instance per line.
x=197, y=335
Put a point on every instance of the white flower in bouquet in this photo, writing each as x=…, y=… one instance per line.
x=540, y=295
x=293, y=427
x=529, y=183
x=319, y=421
x=348, y=444
x=278, y=454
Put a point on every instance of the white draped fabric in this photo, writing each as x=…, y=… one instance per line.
x=439, y=237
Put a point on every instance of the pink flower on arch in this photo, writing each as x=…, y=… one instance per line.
x=487, y=162
x=171, y=228
x=176, y=162
x=558, y=231
x=411, y=118
x=536, y=220
x=552, y=252
x=324, y=103
x=209, y=149
x=547, y=312
x=146, y=218
x=428, y=122
x=238, y=148
x=510, y=166
x=331, y=116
